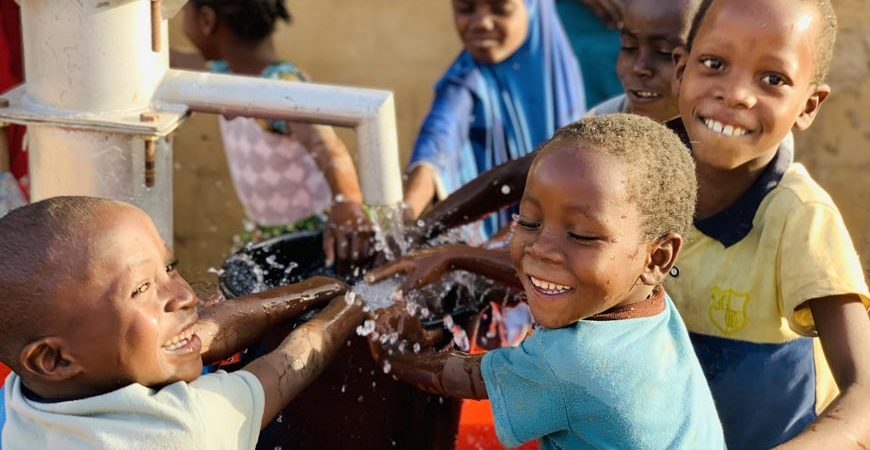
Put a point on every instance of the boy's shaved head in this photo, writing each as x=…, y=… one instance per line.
x=825, y=41
x=37, y=247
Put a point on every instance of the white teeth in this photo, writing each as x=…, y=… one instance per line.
x=179, y=340
x=547, y=287
x=646, y=94
x=727, y=130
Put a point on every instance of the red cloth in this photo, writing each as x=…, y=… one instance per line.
x=3, y=372
x=11, y=75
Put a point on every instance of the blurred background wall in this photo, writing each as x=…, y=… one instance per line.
x=404, y=46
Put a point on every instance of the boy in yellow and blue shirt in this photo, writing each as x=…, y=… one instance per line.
x=769, y=264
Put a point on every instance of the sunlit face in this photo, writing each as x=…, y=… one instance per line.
x=491, y=30
x=651, y=30
x=578, y=247
x=747, y=79
x=132, y=313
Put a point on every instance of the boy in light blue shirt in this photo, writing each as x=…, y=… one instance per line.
x=611, y=365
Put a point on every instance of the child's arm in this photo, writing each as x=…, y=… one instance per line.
x=452, y=374
x=428, y=265
x=497, y=188
x=349, y=232
x=301, y=357
x=231, y=326
x=844, y=330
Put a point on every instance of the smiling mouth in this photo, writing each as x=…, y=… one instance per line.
x=646, y=94
x=181, y=340
x=721, y=128
x=548, y=288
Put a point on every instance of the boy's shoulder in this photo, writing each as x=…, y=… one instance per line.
x=798, y=187
x=218, y=408
x=796, y=190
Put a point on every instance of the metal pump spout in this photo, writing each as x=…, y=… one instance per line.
x=101, y=104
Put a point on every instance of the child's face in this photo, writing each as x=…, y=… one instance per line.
x=491, y=30
x=196, y=25
x=651, y=30
x=132, y=313
x=578, y=246
x=748, y=80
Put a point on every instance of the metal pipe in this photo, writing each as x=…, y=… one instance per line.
x=90, y=56
x=371, y=112
x=156, y=19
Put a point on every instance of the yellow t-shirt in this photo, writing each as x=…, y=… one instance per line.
x=740, y=284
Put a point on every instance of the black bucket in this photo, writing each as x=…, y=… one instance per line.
x=353, y=404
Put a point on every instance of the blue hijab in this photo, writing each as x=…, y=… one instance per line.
x=484, y=115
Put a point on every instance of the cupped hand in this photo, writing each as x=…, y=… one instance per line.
x=420, y=267
x=397, y=330
x=347, y=240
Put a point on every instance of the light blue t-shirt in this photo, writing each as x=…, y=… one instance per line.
x=619, y=384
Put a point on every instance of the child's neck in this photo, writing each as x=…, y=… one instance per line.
x=247, y=58
x=718, y=189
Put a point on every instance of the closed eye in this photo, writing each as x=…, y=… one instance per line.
x=581, y=238
x=525, y=224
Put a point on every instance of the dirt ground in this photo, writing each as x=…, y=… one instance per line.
x=404, y=46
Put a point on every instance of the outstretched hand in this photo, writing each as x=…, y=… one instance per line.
x=347, y=240
x=420, y=267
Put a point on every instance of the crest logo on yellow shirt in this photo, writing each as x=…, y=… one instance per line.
x=728, y=310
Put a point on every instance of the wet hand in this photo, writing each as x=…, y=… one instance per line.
x=347, y=240
x=609, y=11
x=420, y=267
x=398, y=331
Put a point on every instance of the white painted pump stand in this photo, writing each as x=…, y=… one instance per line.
x=101, y=104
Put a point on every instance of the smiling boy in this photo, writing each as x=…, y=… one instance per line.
x=651, y=30
x=105, y=340
x=612, y=366
x=769, y=264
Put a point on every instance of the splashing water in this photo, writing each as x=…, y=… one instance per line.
x=388, y=222
x=378, y=295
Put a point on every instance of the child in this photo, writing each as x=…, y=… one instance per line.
x=769, y=264
x=650, y=31
x=285, y=173
x=102, y=335
x=597, y=233
x=513, y=85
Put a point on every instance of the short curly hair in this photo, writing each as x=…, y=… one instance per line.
x=825, y=41
x=251, y=20
x=659, y=168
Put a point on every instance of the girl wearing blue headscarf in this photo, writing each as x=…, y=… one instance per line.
x=516, y=82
